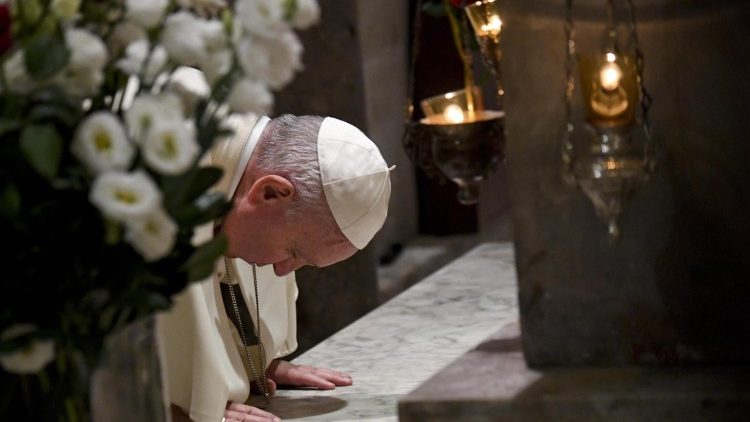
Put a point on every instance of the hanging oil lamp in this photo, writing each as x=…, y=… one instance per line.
x=612, y=164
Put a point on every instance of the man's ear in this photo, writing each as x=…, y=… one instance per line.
x=271, y=189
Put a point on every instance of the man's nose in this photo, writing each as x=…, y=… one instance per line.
x=285, y=267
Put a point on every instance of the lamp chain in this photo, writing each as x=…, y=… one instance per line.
x=567, y=147
x=646, y=99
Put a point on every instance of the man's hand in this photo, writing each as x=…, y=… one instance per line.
x=285, y=373
x=237, y=412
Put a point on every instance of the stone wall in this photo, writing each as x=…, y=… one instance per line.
x=675, y=289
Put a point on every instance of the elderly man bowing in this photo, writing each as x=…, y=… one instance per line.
x=305, y=191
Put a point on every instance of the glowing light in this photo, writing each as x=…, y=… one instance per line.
x=493, y=26
x=609, y=76
x=611, y=57
x=453, y=114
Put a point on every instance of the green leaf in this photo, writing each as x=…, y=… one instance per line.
x=9, y=125
x=209, y=207
x=59, y=112
x=290, y=6
x=11, y=202
x=42, y=147
x=182, y=191
x=45, y=56
x=201, y=263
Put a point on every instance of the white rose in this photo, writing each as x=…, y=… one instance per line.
x=88, y=55
x=260, y=17
x=272, y=60
x=101, y=144
x=183, y=37
x=170, y=147
x=17, y=79
x=135, y=59
x=190, y=85
x=30, y=359
x=125, y=197
x=204, y=7
x=87, y=51
x=306, y=14
x=216, y=65
x=147, y=13
x=152, y=236
x=147, y=110
x=248, y=95
x=124, y=34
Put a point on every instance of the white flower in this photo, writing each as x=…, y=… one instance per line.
x=101, y=144
x=152, y=236
x=135, y=59
x=170, y=147
x=183, y=37
x=65, y=9
x=147, y=13
x=125, y=197
x=147, y=110
x=16, y=78
x=216, y=65
x=87, y=51
x=190, y=85
x=272, y=60
x=88, y=55
x=30, y=359
x=248, y=95
x=306, y=14
x=260, y=17
x=124, y=34
x=203, y=7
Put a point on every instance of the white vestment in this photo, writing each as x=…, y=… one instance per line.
x=203, y=367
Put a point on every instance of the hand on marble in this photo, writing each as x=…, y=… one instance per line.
x=237, y=412
x=286, y=373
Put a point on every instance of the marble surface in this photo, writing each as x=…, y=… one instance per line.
x=492, y=382
x=398, y=346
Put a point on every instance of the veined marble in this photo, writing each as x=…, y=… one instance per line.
x=399, y=345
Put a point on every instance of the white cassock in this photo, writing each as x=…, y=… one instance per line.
x=203, y=367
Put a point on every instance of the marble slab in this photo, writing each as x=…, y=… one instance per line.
x=493, y=383
x=398, y=346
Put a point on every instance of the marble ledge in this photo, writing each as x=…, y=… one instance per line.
x=492, y=383
x=399, y=345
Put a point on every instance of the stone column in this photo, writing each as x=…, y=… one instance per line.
x=675, y=289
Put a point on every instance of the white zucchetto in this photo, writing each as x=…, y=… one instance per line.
x=356, y=180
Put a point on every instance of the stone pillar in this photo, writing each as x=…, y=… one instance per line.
x=675, y=289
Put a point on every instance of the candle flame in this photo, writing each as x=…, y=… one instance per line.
x=609, y=76
x=493, y=25
x=453, y=114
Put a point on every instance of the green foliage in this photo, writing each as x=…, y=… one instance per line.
x=201, y=263
x=42, y=148
x=45, y=56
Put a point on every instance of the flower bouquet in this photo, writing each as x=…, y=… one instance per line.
x=106, y=110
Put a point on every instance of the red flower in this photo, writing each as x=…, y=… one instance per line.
x=6, y=37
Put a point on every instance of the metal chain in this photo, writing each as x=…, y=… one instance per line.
x=567, y=145
x=417, y=29
x=260, y=380
x=646, y=99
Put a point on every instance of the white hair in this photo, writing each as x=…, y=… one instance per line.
x=289, y=148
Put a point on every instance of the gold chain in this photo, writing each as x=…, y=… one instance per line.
x=260, y=380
